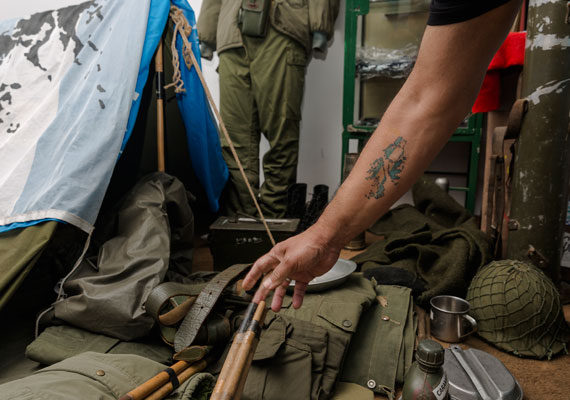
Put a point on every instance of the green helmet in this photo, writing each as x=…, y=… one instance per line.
x=518, y=309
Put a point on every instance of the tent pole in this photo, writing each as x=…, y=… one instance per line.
x=159, y=107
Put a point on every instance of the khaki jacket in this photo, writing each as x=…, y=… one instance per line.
x=298, y=19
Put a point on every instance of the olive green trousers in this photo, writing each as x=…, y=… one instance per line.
x=261, y=90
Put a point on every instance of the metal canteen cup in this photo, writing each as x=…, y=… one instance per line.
x=448, y=317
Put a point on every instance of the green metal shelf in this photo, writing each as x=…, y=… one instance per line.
x=471, y=133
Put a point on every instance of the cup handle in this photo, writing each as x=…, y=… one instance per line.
x=473, y=324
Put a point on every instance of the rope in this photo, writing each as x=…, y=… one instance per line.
x=177, y=81
x=181, y=26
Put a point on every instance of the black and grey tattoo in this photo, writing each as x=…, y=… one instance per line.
x=389, y=166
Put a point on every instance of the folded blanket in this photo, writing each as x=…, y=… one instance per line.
x=437, y=240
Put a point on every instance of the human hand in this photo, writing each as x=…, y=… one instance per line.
x=300, y=258
x=319, y=41
x=206, y=51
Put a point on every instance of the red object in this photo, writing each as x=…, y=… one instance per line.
x=510, y=53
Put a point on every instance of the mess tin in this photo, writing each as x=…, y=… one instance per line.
x=449, y=320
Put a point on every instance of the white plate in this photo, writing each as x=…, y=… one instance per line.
x=334, y=277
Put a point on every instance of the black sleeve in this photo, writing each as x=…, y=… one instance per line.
x=445, y=12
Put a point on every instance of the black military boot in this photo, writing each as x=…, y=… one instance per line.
x=296, y=199
x=316, y=206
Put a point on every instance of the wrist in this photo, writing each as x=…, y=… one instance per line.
x=328, y=234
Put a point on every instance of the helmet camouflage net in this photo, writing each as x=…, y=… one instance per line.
x=518, y=309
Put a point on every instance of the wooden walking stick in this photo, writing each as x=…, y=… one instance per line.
x=238, y=361
x=156, y=382
x=158, y=64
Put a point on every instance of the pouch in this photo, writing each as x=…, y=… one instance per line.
x=289, y=362
x=252, y=18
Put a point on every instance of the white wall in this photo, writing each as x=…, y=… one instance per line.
x=321, y=127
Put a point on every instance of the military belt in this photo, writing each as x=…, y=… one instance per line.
x=204, y=304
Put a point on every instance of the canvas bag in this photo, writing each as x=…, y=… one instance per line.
x=151, y=233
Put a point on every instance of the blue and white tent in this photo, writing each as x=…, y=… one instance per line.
x=70, y=86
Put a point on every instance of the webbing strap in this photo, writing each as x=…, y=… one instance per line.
x=204, y=304
x=172, y=378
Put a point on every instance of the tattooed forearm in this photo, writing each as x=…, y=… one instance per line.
x=389, y=166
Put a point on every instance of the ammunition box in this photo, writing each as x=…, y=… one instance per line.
x=243, y=240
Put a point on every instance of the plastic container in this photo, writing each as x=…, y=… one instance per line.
x=426, y=378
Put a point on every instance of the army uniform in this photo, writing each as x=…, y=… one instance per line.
x=261, y=90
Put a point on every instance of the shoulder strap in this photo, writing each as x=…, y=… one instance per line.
x=204, y=304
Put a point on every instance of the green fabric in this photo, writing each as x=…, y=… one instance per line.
x=382, y=348
x=290, y=352
x=351, y=391
x=152, y=232
x=95, y=376
x=57, y=343
x=19, y=252
x=300, y=352
x=437, y=239
x=198, y=387
x=339, y=312
x=298, y=19
x=261, y=90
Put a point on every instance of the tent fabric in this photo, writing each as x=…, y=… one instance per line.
x=70, y=77
x=70, y=88
x=203, y=139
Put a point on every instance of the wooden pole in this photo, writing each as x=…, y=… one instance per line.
x=165, y=390
x=156, y=382
x=231, y=381
x=159, y=67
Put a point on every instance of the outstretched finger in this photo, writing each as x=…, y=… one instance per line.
x=271, y=281
x=260, y=267
x=277, y=276
x=262, y=291
x=298, y=295
x=278, y=296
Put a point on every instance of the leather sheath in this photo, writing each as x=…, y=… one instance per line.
x=204, y=304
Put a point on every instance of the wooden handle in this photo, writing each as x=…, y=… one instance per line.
x=165, y=390
x=155, y=382
x=232, y=378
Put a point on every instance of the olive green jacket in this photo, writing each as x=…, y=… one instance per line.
x=298, y=19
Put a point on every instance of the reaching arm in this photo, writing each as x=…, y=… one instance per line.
x=435, y=98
